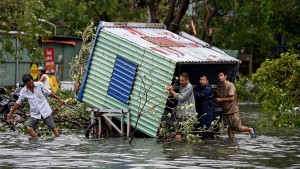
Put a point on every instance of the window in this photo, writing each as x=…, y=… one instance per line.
x=122, y=80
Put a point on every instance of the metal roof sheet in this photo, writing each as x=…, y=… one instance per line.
x=170, y=45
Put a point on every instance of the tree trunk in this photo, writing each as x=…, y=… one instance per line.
x=135, y=127
x=101, y=16
x=175, y=24
x=206, y=34
x=153, y=11
x=170, y=15
x=104, y=17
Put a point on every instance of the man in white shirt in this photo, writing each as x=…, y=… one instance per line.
x=35, y=92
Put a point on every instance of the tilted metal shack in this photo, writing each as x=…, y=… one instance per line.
x=131, y=60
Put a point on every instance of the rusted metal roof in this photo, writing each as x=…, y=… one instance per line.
x=170, y=45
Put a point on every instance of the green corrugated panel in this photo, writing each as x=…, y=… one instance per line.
x=112, y=44
x=156, y=92
x=151, y=66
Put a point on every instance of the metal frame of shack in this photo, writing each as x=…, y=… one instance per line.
x=131, y=64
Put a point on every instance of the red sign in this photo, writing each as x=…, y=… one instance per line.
x=49, y=55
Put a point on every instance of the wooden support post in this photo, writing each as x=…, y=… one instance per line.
x=128, y=123
x=122, y=123
x=108, y=114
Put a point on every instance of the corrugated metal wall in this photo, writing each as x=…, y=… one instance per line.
x=9, y=75
x=152, y=71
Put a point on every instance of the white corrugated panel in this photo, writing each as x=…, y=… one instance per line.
x=179, y=48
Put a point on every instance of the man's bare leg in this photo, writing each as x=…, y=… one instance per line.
x=31, y=132
x=230, y=133
x=55, y=131
x=246, y=129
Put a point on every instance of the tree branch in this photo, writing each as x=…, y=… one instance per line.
x=170, y=15
x=175, y=24
x=153, y=11
x=206, y=35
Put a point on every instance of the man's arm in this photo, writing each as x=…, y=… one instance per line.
x=171, y=90
x=57, y=98
x=206, y=92
x=48, y=92
x=182, y=96
x=16, y=107
x=226, y=99
x=185, y=95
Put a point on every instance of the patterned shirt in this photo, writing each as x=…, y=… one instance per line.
x=39, y=105
x=227, y=90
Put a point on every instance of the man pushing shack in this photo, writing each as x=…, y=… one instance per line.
x=227, y=97
x=185, y=97
x=205, y=104
x=35, y=93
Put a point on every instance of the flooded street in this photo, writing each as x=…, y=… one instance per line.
x=273, y=148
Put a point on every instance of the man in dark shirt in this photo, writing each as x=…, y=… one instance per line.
x=205, y=103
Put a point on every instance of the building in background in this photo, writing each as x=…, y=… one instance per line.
x=62, y=50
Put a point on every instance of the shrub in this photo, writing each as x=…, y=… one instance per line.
x=278, y=81
x=245, y=89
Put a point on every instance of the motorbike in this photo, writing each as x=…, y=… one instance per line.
x=6, y=103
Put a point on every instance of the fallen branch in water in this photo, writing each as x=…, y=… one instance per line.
x=70, y=120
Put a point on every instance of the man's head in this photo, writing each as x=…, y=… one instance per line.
x=183, y=79
x=27, y=80
x=41, y=70
x=203, y=80
x=222, y=76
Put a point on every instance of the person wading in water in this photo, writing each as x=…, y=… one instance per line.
x=227, y=97
x=35, y=93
